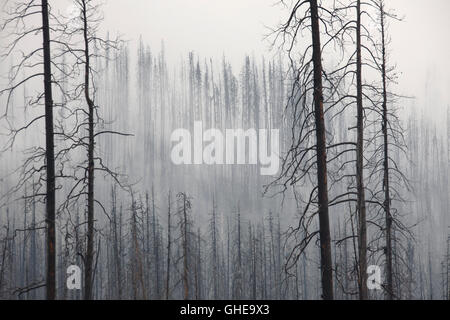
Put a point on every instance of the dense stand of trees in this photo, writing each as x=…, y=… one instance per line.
x=349, y=193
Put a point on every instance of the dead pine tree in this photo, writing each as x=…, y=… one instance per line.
x=155, y=245
x=169, y=245
x=388, y=141
x=361, y=202
x=387, y=200
x=117, y=236
x=214, y=262
x=392, y=137
x=50, y=159
x=83, y=48
x=447, y=270
x=21, y=29
x=88, y=280
x=183, y=211
x=237, y=269
x=198, y=268
x=138, y=275
x=298, y=163
x=367, y=98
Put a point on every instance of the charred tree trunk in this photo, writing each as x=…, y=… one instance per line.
x=387, y=200
x=214, y=251
x=155, y=245
x=49, y=159
x=33, y=244
x=361, y=203
x=89, y=276
x=138, y=277
x=325, y=238
x=198, y=268
x=169, y=244
x=117, y=238
x=185, y=249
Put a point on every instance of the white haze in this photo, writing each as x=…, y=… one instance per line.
x=235, y=28
x=420, y=43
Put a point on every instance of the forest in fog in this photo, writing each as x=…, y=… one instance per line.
x=86, y=176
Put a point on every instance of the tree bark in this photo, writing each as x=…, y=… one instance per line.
x=155, y=245
x=117, y=238
x=387, y=200
x=89, y=277
x=49, y=159
x=324, y=223
x=169, y=244
x=361, y=203
x=185, y=250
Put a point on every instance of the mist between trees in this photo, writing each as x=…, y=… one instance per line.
x=87, y=179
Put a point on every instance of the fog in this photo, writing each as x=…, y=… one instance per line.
x=420, y=42
x=215, y=61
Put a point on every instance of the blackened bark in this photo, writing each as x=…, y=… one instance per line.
x=214, y=251
x=361, y=203
x=89, y=277
x=155, y=245
x=387, y=200
x=324, y=223
x=185, y=250
x=169, y=244
x=138, y=274
x=117, y=238
x=49, y=159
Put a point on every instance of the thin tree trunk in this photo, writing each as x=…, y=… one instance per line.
x=214, y=251
x=116, y=244
x=146, y=246
x=24, y=263
x=185, y=250
x=33, y=244
x=138, y=276
x=4, y=251
x=89, y=277
x=169, y=243
x=155, y=245
x=387, y=200
x=198, y=271
x=448, y=268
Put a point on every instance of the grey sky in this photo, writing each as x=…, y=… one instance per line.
x=420, y=44
x=208, y=27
